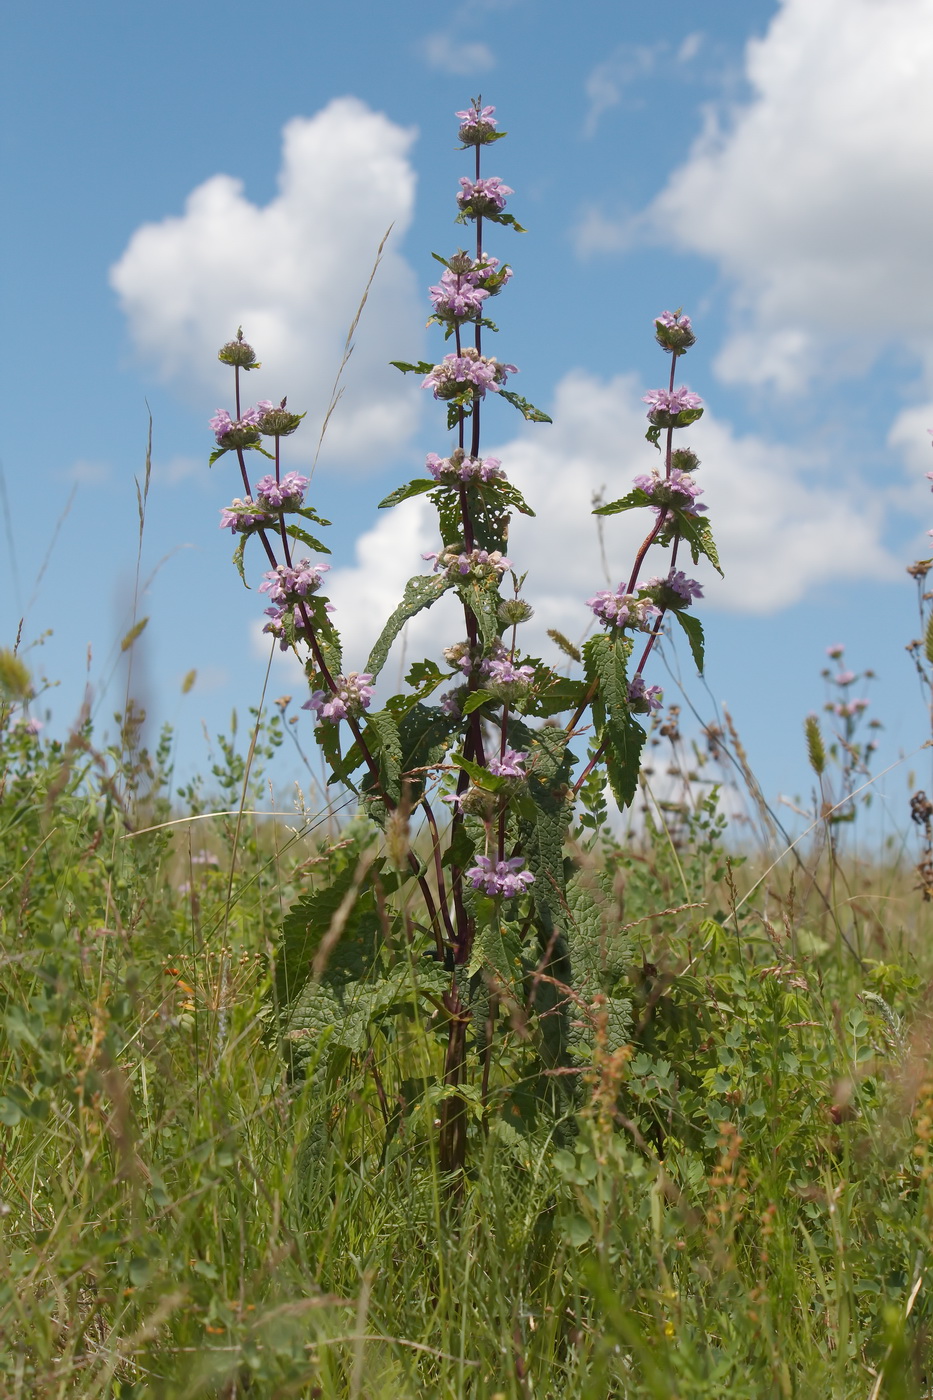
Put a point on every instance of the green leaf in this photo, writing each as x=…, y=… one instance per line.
x=382, y=740
x=483, y=601
x=419, y=487
x=475, y=700
x=309, y=514
x=420, y=592
x=698, y=534
x=422, y=366
x=490, y=782
x=238, y=559
x=217, y=453
x=497, y=951
x=526, y=409
x=307, y=923
x=630, y=502
x=694, y=630
x=560, y=696
x=605, y=658
x=295, y=532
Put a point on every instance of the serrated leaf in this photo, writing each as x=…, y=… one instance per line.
x=238, y=554
x=310, y=514
x=475, y=700
x=697, y=532
x=382, y=739
x=420, y=592
x=483, y=602
x=630, y=502
x=694, y=630
x=422, y=366
x=526, y=409
x=928, y=641
x=605, y=658
x=295, y=532
x=491, y=782
x=497, y=950
x=217, y=453
x=419, y=487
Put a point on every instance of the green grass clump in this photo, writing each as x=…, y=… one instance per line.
x=736, y=1203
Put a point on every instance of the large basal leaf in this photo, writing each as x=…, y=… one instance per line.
x=483, y=601
x=420, y=593
x=312, y=918
x=382, y=739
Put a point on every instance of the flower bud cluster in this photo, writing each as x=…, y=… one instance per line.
x=275, y=627
x=479, y=198
x=478, y=563
x=513, y=611
x=353, y=694
x=679, y=490
x=459, y=467
x=477, y=124
x=276, y=421
x=667, y=405
x=238, y=353
x=504, y=878
x=285, y=585
x=621, y=609
x=470, y=368
x=676, y=591
x=673, y=332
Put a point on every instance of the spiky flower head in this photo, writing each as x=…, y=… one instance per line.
x=673, y=332
x=477, y=124
x=276, y=421
x=238, y=353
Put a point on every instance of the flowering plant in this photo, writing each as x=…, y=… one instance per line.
x=511, y=927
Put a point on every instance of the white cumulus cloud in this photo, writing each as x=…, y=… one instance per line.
x=292, y=273
x=814, y=197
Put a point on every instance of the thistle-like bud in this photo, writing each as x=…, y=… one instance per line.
x=278, y=422
x=682, y=459
x=513, y=611
x=238, y=352
x=477, y=802
x=673, y=332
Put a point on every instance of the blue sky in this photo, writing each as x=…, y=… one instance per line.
x=179, y=169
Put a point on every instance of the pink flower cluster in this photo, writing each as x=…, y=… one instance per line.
x=665, y=404
x=286, y=494
x=479, y=197
x=510, y=765
x=684, y=589
x=678, y=490
x=284, y=585
x=458, y=467
x=354, y=693
x=483, y=372
x=505, y=878
x=476, y=123
x=644, y=699
x=621, y=609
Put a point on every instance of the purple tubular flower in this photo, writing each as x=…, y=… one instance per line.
x=457, y=298
x=501, y=671
x=671, y=322
x=644, y=699
x=459, y=467
x=284, y=585
x=510, y=765
x=684, y=589
x=678, y=490
x=221, y=423
x=501, y=877
x=665, y=404
x=449, y=378
x=241, y=515
x=354, y=693
x=621, y=609
x=286, y=494
x=239, y=433
x=479, y=197
x=844, y=677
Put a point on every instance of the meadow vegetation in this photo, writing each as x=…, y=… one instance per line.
x=507, y=1099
